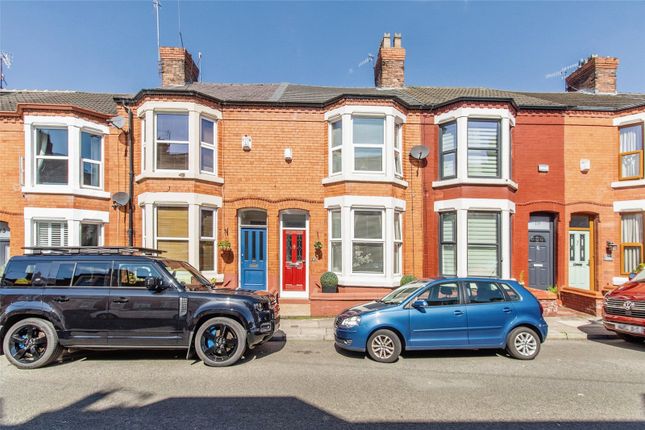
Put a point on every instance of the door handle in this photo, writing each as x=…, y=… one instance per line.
x=61, y=299
x=458, y=313
x=120, y=300
x=508, y=310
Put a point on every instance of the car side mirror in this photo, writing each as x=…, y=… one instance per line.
x=154, y=284
x=419, y=304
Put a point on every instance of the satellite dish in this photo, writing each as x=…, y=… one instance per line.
x=419, y=152
x=118, y=122
x=120, y=198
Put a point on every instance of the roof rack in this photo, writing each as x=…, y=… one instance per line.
x=91, y=250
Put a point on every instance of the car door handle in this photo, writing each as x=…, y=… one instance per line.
x=459, y=313
x=508, y=310
x=120, y=300
x=61, y=299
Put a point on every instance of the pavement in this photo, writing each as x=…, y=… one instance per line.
x=590, y=385
x=567, y=327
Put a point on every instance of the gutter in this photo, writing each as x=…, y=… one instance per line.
x=130, y=179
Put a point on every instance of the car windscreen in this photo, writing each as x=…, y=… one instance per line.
x=403, y=293
x=186, y=275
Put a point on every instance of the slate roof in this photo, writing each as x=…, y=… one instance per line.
x=297, y=94
x=97, y=102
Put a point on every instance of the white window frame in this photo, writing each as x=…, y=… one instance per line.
x=212, y=238
x=398, y=244
x=147, y=113
x=49, y=234
x=335, y=239
x=333, y=149
x=346, y=114
x=347, y=205
x=74, y=126
x=461, y=116
x=90, y=161
x=148, y=201
x=359, y=241
x=205, y=145
x=398, y=149
x=156, y=141
x=100, y=231
x=50, y=157
x=73, y=218
x=379, y=146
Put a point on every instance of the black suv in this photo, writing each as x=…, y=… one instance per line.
x=111, y=297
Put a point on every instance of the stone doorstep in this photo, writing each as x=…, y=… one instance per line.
x=566, y=328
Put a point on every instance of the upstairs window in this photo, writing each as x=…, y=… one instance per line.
x=91, y=160
x=631, y=152
x=52, y=156
x=398, y=159
x=207, y=145
x=336, y=155
x=368, y=140
x=448, y=151
x=483, y=148
x=172, y=141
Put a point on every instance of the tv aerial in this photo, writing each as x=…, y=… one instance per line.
x=120, y=199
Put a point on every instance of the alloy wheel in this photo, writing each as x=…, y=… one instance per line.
x=526, y=344
x=219, y=342
x=383, y=347
x=28, y=344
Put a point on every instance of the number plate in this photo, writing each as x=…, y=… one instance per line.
x=631, y=328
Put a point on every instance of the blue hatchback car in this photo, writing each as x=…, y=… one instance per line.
x=448, y=313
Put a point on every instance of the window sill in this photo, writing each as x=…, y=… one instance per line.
x=179, y=175
x=629, y=183
x=55, y=189
x=364, y=178
x=365, y=280
x=475, y=181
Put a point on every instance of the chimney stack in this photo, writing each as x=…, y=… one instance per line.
x=595, y=74
x=177, y=67
x=389, y=69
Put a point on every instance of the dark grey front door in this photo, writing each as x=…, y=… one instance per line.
x=541, y=253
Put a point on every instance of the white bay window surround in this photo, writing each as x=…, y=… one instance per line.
x=365, y=240
x=365, y=144
x=630, y=151
x=475, y=237
x=185, y=226
x=179, y=140
x=64, y=155
x=475, y=147
x=64, y=227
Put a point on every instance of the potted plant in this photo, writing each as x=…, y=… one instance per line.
x=329, y=282
x=406, y=279
x=318, y=245
x=224, y=245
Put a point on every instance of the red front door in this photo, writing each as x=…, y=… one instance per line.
x=294, y=260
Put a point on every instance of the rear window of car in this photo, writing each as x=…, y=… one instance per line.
x=510, y=292
x=25, y=273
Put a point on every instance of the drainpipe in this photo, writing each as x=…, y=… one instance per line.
x=131, y=179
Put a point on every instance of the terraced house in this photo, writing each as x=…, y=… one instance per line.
x=267, y=186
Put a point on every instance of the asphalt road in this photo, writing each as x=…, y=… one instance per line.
x=308, y=385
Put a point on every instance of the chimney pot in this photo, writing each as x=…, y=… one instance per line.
x=397, y=40
x=386, y=40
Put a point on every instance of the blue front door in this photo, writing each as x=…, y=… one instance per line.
x=253, y=261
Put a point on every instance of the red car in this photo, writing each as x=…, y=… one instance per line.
x=624, y=311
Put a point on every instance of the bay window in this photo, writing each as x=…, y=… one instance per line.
x=336, y=153
x=172, y=141
x=207, y=235
x=52, y=156
x=50, y=233
x=631, y=241
x=368, y=242
x=91, y=159
x=336, y=241
x=448, y=150
x=483, y=148
x=368, y=140
x=448, y=243
x=172, y=232
x=207, y=145
x=631, y=152
x=483, y=243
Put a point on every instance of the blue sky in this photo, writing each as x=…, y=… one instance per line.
x=111, y=46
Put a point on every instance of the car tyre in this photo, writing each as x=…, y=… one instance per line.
x=384, y=346
x=523, y=343
x=220, y=342
x=630, y=338
x=31, y=343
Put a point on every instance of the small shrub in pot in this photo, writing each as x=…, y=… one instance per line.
x=406, y=279
x=329, y=282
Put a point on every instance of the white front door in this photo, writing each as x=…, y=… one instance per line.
x=579, y=260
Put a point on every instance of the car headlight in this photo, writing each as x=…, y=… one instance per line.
x=259, y=306
x=350, y=322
